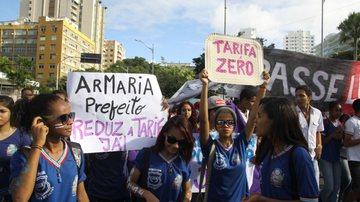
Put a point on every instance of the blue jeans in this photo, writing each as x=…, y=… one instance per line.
x=345, y=178
x=332, y=178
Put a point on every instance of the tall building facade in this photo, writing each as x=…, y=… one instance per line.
x=18, y=38
x=332, y=46
x=113, y=51
x=299, y=41
x=59, y=48
x=249, y=33
x=88, y=16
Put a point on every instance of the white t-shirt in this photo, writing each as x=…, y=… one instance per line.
x=352, y=127
x=309, y=131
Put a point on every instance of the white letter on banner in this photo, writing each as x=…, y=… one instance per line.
x=297, y=77
x=332, y=89
x=283, y=77
x=317, y=83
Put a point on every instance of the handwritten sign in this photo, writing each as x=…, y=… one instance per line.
x=115, y=112
x=233, y=60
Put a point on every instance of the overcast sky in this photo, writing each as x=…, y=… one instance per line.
x=178, y=28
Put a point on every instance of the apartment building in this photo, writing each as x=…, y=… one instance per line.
x=113, y=51
x=299, y=41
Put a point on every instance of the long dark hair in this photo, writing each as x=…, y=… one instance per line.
x=193, y=118
x=8, y=102
x=38, y=106
x=285, y=126
x=182, y=124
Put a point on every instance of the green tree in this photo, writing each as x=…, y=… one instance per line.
x=51, y=85
x=171, y=78
x=350, y=31
x=18, y=72
x=199, y=63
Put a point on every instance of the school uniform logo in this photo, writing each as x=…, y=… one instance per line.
x=177, y=181
x=219, y=162
x=154, y=178
x=236, y=158
x=11, y=149
x=43, y=188
x=277, y=177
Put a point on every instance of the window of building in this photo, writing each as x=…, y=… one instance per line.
x=32, y=32
x=43, y=29
x=42, y=47
x=41, y=56
x=40, y=75
x=54, y=28
x=52, y=56
x=52, y=66
x=53, y=37
x=51, y=75
x=41, y=66
x=53, y=47
x=42, y=38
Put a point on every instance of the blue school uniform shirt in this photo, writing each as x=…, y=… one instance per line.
x=228, y=175
x=275, y=179
x=8, y=147
x=164, y=177
x=108, y=176
x=55, y=180
x=331, y=150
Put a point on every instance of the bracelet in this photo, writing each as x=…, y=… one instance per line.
x=36, y=147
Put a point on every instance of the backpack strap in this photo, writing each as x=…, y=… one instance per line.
x=26, y=151
x=75, y=149
x=144, y=174
x=209, y=168
x=294, y=188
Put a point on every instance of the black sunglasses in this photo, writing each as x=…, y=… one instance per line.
x=222, y=123
x=64, y=118
x=173, y=140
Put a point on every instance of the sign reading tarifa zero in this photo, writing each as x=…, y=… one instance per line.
x=233, y=60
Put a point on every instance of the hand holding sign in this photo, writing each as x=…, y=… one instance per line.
x=233, y=60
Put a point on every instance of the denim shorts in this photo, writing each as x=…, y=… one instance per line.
x=355, y=175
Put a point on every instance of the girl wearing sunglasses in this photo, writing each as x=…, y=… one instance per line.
x=166, y=172
x=228, y=176
x=11, y=139
x=49, y=172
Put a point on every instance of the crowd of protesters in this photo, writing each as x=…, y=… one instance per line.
x=294, y=145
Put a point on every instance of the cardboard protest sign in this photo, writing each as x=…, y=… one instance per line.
x=233, y=60
x=115, y=112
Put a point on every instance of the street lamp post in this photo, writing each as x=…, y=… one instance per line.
x=58, y=70
x=152, y=53
x=322, y=27
x=224, y=17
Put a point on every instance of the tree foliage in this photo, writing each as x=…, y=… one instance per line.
x=350, y=31
x=199, y=63
x=170, y=78
x=18, y=72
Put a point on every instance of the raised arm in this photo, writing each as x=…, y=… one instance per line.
x=250, y=125
x=23, y=185
x=204, y=114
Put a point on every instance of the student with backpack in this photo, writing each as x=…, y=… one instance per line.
x=286, y=168
x=11, y=139
x=52, y=169
x=162, y=172
x=227, y=181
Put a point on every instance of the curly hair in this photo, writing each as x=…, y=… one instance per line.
x=193, y=118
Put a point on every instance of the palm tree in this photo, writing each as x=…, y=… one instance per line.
x=350, y=30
